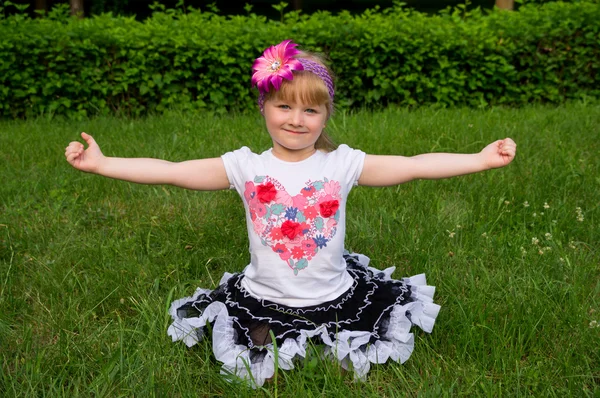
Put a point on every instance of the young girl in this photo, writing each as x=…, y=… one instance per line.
x=300, y=284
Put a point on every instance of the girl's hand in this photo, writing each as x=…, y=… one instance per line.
x=87, y=160
x=499, y=153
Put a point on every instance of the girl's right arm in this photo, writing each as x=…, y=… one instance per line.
x=202, y=174
x=382, y=171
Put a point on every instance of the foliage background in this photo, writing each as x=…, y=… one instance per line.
x=143, y=9
x=201, y=60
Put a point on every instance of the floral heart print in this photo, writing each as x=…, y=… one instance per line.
x=295, y=227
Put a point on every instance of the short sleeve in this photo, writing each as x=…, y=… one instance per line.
x=352, y=160
x=235, y=162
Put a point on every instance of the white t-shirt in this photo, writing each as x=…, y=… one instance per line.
x=295, y=213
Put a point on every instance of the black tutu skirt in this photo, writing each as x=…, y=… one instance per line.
x=368, y=323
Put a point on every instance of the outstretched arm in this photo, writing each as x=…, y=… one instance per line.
x=382, y=171
x=202, y=174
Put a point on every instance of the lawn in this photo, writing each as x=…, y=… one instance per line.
x=89, y=265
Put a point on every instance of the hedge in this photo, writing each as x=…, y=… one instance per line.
x=198, y=60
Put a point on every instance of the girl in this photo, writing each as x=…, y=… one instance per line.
x=300, y=284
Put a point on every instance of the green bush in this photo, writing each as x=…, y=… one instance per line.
x=198, y=60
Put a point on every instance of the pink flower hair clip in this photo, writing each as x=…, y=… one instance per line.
x=276, y=64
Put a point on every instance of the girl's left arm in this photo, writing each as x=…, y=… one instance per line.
x=380, y=171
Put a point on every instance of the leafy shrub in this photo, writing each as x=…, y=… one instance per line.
x=199, y=60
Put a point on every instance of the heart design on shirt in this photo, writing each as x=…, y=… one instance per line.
x=295, y=227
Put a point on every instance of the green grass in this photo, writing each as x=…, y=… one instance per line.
x=89, y=266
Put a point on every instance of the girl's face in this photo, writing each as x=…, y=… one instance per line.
x=294, y=127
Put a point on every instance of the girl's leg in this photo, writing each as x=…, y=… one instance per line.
x=259, y=333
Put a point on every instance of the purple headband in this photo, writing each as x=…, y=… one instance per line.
x=277, y=63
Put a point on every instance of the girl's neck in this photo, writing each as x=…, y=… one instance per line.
x=292, y=156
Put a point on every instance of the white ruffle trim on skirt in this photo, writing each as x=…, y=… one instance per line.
x=351, y=348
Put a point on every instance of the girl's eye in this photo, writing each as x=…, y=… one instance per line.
x=283, y=106
x=311, y=110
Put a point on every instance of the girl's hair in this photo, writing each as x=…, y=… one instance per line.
x=308, y=88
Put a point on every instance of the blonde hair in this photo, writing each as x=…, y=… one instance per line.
x=307, y=88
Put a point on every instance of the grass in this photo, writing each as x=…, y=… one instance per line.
x=89, y=266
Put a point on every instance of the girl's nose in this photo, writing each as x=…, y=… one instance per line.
x=297, y=118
